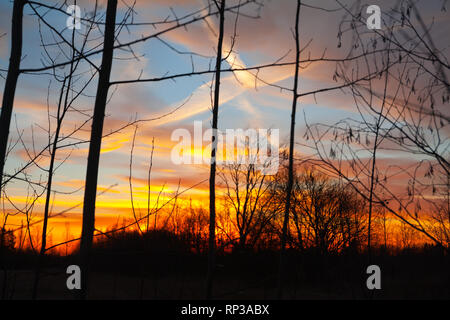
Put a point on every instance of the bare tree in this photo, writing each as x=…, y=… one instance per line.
x=95, y=144
x=68, y=95
x=247, y=194
x=331, y=211
x=291, y=154
x=11, y=82
x=401, y=114
x=212, y=176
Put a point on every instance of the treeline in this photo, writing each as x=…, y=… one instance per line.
x=326, y=216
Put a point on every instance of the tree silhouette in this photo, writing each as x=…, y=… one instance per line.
x=11, y=82
x=212, y=175
x=290, y=183
x=101, y=97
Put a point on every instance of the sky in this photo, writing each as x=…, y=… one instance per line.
x=244, y=103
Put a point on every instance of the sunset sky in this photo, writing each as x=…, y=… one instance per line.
x=243, y=103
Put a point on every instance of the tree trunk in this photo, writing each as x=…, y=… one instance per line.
x=90, y=191
x=291, y=159
x=8, y=98
x=212, y=176
x=11, y=82
x=49, y=192
x=373, y=169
